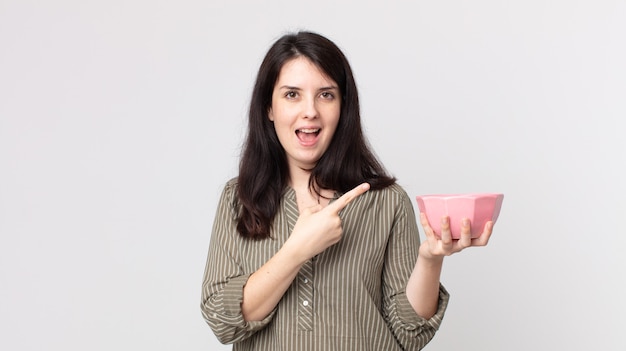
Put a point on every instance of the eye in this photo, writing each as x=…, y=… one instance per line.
x=327, y=95
x=291, y=94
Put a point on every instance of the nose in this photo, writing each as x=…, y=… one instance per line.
x=310, y=108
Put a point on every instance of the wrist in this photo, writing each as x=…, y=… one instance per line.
x=293, y=252
x=427, y=258
x=434, y=261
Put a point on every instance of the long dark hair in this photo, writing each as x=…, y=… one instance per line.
x=263, y=170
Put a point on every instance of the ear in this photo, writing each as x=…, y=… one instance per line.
x=270, y=114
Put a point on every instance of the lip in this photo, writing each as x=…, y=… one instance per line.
x=306, y=135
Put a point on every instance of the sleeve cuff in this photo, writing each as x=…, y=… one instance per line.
x=233, y=297
x=407, y=314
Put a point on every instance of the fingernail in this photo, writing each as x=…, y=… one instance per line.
x=465, y=222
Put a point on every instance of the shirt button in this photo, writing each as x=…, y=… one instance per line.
x=306, y=281
x=305, y=303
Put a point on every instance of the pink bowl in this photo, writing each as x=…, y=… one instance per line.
x=478, y=207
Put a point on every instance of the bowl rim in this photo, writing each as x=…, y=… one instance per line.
x=460, y=195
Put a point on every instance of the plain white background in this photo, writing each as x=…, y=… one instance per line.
x=120, y=121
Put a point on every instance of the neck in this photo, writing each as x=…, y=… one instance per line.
x=299, y=178
x=304, y=195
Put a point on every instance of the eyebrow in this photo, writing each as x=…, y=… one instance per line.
x=288, y=87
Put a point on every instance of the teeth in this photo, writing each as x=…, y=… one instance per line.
x=309, y=130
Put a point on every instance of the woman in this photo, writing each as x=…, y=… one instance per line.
x=314, y=245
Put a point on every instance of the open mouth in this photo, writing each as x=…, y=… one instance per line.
x=308, y=134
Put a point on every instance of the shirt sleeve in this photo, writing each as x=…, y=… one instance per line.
x=224, y=278
x=412, y=331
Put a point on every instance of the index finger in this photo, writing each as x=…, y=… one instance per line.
x=346, y=198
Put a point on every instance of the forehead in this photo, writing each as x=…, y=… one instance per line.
x=300, y=71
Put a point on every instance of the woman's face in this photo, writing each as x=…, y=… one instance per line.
x=306, y=105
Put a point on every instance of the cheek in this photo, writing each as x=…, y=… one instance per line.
x=330, y=111
x=279, y=113
x=334, y=116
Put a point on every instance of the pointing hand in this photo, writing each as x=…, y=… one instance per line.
x=320, y=227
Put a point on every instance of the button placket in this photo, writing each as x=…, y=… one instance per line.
x=305, y=297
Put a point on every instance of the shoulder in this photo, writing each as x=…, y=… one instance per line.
x=394, y=191
x=230, y=188
x=231, y=184
x=393, y=197
x=228, y=198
